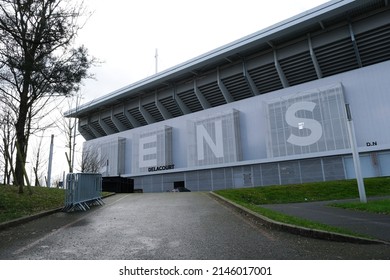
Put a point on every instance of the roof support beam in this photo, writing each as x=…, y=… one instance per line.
x=108, y=130
x=84, y=132
x=314, y=58
x=130, y=118
x=183, y=107
x=224, y=90
x=203, y=101
x=355, y=47
x=248, y=78
x=93, y=130
x=117, y=123
x=279, y=69
x=148, y=118
x=163, y=111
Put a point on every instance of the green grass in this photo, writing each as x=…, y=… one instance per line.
x=292, y=220
x=307, y=192
x=373, y=206
x=14, y=205
x=253, y=198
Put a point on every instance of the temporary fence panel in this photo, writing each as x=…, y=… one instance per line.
x=82, y=191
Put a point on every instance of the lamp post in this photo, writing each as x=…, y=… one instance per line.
x=355, y=155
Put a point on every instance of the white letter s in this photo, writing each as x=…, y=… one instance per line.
x=313, y=125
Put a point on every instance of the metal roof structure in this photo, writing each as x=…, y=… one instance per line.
x=338, y=36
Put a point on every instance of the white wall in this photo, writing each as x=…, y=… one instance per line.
x=366, y=90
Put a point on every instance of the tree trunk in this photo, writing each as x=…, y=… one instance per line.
x=21, y=144
x=6, y=159
x=12, y=171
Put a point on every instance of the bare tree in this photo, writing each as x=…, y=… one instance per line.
x=68, y=127
x=38, y=160
x=38, y=61
x=92, y=161
x=7, y=145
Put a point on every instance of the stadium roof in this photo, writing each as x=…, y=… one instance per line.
x=297, y=24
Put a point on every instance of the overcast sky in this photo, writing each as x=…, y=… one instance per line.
x=125, y=34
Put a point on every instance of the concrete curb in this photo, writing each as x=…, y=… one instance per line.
x=313, y=233
x=26, y=219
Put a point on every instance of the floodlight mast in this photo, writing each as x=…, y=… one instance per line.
x=355, y=156
x=156, y=60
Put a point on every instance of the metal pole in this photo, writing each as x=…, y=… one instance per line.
x=63, y=181
x=355, y=155
x=50, y=161
x=156, y=57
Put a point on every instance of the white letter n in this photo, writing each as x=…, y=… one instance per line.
x=203, y=136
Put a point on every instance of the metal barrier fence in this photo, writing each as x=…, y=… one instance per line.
x=82, y=191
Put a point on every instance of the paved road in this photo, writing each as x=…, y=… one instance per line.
x=166, y=226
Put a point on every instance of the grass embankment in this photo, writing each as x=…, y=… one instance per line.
x=253, y=198
x=373, y=206
x=14, y=205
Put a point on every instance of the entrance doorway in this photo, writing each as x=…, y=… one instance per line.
x=178, y=184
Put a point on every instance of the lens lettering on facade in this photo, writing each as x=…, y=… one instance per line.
x=303, y=123
x=214, y=139
x=152, y=148
x=307, y=122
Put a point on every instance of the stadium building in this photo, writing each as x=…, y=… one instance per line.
x=267, y=109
